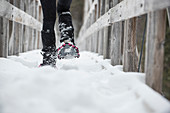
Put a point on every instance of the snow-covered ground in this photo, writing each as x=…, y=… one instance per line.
x=85, y=85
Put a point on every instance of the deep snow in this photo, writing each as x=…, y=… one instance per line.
x=85, y=85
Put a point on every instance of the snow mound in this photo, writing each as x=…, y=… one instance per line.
x=85, y=85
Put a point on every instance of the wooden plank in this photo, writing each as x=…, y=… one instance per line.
x=153, y=5
x=116, y=57
x=31, y=38
x=16, y=49
x=130, y=58
x=155, y=49
x=125, y=10
x=101, y=40
x=13, y=13
x=107, y=36
x=116, y=40
x=3, y=37
x=132, y=8
x=21, y=28
x=36, y=17
x=101, y=32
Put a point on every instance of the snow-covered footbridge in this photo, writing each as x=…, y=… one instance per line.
x=105, y=79
x=85, y=85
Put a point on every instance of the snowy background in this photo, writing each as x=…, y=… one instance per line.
x=85, y=85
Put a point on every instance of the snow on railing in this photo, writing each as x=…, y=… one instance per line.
x=20, y=26
x=111, y=28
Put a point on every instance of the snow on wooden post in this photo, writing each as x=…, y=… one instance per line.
x=130, y=56
x=156, y=28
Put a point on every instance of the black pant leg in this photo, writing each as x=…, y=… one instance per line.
x=63, y=6
x=49, y=18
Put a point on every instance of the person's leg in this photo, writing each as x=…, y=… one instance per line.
x=63, y=6
x=65, y=20
x=47, y=33
x=68, y=48
x=49, y=18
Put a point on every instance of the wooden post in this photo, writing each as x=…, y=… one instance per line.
x=21, y=28
x=3, y=37
x=130, y=57
x=116, y=38
x=156, y=28
x=27, y=29
x=16, y=41
x=36, y=17
x=96, y=33
x=31, y=37
x=101, y=32
x=33, y=30
x=107, y=31
x=116, y=44
x=39, y=33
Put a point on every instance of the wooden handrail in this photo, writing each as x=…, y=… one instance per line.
x=125, y=10
x=12, y=13
x=20, y=26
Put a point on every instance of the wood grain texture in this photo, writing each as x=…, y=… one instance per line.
x=3, y=37
x=154, y=56
x=130, y=58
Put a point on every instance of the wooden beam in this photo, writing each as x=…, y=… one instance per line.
x=11, y=12
x=154, y=56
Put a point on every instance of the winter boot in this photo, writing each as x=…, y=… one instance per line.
x=49, y=57
x=67, y=48
x=49, y=47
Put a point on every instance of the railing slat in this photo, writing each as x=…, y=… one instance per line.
x=155, y=49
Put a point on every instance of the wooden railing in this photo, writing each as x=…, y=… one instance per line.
x=20, y=26
x=110, y=29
